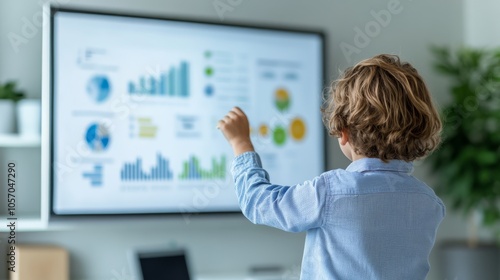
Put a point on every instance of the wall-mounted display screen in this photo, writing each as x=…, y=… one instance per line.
x=135, y=102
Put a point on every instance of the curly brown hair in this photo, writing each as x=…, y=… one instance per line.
x=385, y=108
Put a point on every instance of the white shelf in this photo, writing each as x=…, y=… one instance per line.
x=24, y=223
x=16, y=141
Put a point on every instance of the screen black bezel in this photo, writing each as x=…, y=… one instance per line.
x=55, y=9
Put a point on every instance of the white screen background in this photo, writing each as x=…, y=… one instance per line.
x=228, y=66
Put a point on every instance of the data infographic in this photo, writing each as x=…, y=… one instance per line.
x=136, y=101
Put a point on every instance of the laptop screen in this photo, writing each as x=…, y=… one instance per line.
x=164, y=267
x=159, y=264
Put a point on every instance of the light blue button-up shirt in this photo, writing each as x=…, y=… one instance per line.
x=371, y=221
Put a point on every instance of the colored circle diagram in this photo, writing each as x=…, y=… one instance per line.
x=97, y=137
x=282, y=99
x=263, y=130
x=294, y=127
x=98, y=88
x=279, y=135
x=297, y=129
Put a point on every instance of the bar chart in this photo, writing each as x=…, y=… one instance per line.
x=173, y=82
x=134, y=171
x=193, y=171
x=94, y=176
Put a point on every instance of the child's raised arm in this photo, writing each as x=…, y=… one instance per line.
x=291, y=208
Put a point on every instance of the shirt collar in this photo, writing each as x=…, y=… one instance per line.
x=375, y=164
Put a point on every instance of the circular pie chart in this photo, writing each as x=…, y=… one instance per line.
x=282, y=99
x=98, y=88
x=97, y=137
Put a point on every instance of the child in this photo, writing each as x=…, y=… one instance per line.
x=372, y=220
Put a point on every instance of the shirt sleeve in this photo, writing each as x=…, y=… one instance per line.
x=290, y=208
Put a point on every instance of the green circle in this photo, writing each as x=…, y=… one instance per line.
x=279, y=136
x=209, y=71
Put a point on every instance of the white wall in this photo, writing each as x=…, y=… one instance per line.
x=221, y=243
x=482, y=23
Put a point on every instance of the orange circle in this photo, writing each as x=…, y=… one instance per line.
x=298, y=129
x=282, y=94
x=263, y=130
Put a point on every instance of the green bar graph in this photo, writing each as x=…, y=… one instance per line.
x=193, y=171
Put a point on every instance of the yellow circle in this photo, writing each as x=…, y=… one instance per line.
x=263, y=130
x=298, y=129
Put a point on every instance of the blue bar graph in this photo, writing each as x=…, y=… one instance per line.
x=184, y=83
x=174, y=82
x=95, y=176
x=134, y=171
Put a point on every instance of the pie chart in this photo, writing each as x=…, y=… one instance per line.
x=282, y=99
x=97, y=137
x=98, y=88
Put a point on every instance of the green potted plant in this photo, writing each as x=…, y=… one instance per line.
x=9, y=95
x=467, y=165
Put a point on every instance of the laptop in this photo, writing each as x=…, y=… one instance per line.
x=159, y=264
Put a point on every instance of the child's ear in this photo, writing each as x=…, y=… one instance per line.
x=344, y=138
